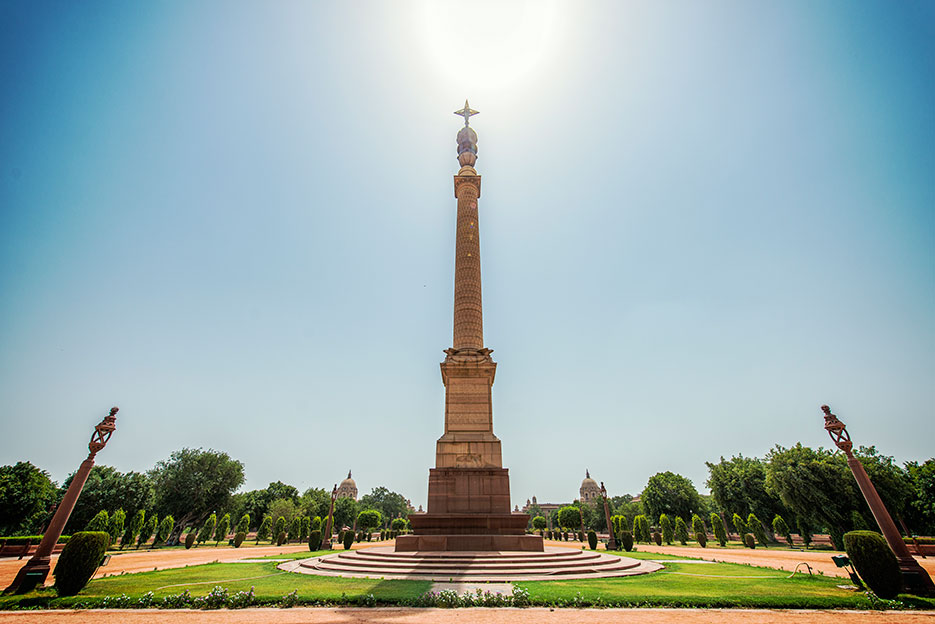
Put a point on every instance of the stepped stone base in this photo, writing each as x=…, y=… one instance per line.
x=428, y=543
x=554, y=563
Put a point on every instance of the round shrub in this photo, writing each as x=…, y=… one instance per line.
x=79, y=560
x=314, y=540
x=190, y=540
x=749, y=541
x=657, y=537
x=701, y=538
x=626, y=540
x=281, y=538
x=239, y=538
x=348, y=539
x=874, y=561
x=592, y=540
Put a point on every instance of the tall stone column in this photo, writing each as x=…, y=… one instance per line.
x=468, y=309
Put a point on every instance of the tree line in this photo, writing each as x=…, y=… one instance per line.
x=188, y=487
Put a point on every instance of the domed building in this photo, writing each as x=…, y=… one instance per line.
x=589, y=490
x=348, y=488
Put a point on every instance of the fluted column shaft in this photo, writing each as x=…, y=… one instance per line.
x=468, y=312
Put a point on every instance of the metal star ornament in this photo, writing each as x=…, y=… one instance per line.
x=466, y=112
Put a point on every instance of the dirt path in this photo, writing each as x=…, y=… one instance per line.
x=770, y=558
x=466, y=616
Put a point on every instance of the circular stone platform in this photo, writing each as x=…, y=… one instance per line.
x=554, y=563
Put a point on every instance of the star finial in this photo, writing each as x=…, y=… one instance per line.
x=466, y=112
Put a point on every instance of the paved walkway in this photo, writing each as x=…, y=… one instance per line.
x=468, y=616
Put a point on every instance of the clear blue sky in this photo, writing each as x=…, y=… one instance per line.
x=699, y=222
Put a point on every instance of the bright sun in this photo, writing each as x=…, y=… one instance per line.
x=488, y=44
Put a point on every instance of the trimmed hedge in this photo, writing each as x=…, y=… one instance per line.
x=79, y=561
x=348, y=539
x=314, y=540
x=592, y=540
x=749, y=541
x=239, y=537
x=21, y=540
x=190, y=540
x=874, y=561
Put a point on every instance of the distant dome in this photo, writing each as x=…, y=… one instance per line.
x=348, y=488
x=589, y=488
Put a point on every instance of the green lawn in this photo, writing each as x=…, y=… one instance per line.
x=678, y=585
x=709, y=585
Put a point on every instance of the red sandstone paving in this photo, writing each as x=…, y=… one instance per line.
x=465, y=616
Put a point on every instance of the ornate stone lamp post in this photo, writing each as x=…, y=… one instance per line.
x=326, y=542
x=36, y=570
x=914, y=575
x=612, y=542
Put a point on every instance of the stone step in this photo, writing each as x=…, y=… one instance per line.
x=557, y=559
x=515, y=564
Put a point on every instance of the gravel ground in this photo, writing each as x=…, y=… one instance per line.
x=466, y=616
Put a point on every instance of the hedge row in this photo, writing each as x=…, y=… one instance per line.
x=20, y=540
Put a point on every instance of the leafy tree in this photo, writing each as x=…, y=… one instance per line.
x=207, y=530
x=278, y=490
x=164, y=530
x=149, y=527
x=681, y=530
x=108, y=488
x=279, y=528
x=345, y=511
x=368, y=520
x=740, y=526
x=315, y=502
x=569, y=517
x=625, y=506
x=115, y=525
x=539, y=523
x=194, y=482
x=921, y=510
x=243, y=525
x=670, y=493
x=739, y=485
x=99, y=522
x=26, y=497
x=224, y=527
x=263, y=532
x=717, y=525
x=756, y=527
x=398, y=524
x=283, y=508
x=781, y=528
x=389, y=504
x=665, y=525
x=134, y=528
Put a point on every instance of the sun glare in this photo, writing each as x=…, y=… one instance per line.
x=488, y=44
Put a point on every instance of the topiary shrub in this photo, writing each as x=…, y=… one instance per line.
x=133, y=528
x=279, y=527
x=164, y=530
x=665, y=525
x=348, y=539
x=306, y=528
x=698, y=528
x=657, y=537
x=314, y=540
x=115, y=525
x=701, y=538
x=281, y=538
x=148, y=529
x=208, y=529
x=756, y=527
x=749, y=541
x=781, y=528
x=592, y=540
x=243, y=525
x=224, y=526
x=265, y=527
x=190, y=540
x=239, y=537
x=626, y=540
x=79, y=560
x=681, y=531
x=99, y=522
x=874, y=561
x=805, y=533
x=316, y=524
x=295, y=528
x=718, y=527
x=740, y=526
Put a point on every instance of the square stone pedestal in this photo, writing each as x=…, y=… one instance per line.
x=469, y=509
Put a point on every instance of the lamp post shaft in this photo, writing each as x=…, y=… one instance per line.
x=37, y=569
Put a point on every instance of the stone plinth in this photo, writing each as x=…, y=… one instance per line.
x=480, y=543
